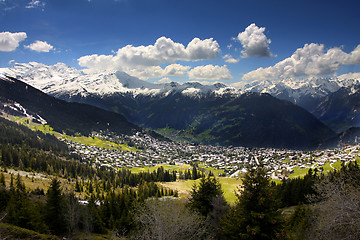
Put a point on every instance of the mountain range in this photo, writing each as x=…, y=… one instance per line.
x=203, y=113
x=18, y=98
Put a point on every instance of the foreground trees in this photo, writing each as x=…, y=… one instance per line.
x=256, y=214
x=337, y=204
x=169, y=219
x=148, y=212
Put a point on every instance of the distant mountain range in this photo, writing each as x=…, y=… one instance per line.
x=303, y=92
x=67, y=83
x=215, y=114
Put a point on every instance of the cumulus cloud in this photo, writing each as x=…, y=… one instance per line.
x=229, y=59
x=10, y=41
x=176, y=70
x=157, y=71
x=165, y=50
x=40, y=46
x=311, y=60
x=354, y=57
x=146, y=72
x=210, y=72
x=202, y=49
x=254, y=42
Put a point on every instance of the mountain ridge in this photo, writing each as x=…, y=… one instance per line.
x=62, y=115
x=192, y=108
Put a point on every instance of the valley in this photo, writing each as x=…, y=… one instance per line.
x=179, y=120
x=148, y=153
x=160, y=142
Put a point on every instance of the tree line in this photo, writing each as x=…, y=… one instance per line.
x=61, y=213
x=136, y=213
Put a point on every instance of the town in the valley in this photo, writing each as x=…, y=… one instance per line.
x=232, y=160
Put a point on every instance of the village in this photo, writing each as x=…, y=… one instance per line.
x=232, y=160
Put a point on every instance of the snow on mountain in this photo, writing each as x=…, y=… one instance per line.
x=60, y=79
x=296, y=89
x=16, y=109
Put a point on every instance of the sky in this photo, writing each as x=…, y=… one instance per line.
x=228, y=41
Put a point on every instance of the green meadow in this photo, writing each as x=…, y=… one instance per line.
x=88, y=141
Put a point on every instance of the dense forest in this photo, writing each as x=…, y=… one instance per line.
x=124, y=205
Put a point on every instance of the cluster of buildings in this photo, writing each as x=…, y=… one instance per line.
x=232, y=160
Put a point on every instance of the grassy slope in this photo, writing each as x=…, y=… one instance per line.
x=88, y=141
x=229, y=186
x=8, y=231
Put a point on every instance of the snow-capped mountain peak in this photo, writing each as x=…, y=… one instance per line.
x=60, y=79
x=295, y=89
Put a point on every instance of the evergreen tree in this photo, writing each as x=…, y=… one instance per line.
x=201, y=197
x=20, y=186
x=2, y=180
x=77, y=186
x=194, y=174
x=255, y=215
x=21, y=211
x=12, y=188
x=55, y=217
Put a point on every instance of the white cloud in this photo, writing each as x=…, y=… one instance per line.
x=240, y=84
x=164, y=80
x=354, y=57
x=355, y=76
x=311, y=60
x=210, y=72
x=176, y=70
x=202, y=49
x=157, y=71
x=10, y=41
x=40, y=46
x=229, y=59
x=35, y=4
x=146, y=72
x=136, y=59
x=254, y=42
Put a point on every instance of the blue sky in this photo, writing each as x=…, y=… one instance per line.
x=206, y=41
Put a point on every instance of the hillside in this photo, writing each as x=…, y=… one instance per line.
x=251, y=119
x=61, y=115
x=198, y=113
x=340, y=110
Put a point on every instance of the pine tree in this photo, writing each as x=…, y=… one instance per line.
x=194, y=174
x=201, y=196
x=12, y=188
x=255, y=215
x=2, y=180
x=77, y=186
x=55, y=217
x=20, y=186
